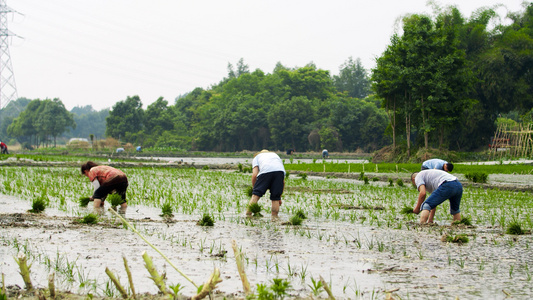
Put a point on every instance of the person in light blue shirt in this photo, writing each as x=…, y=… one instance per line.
x=438, y=164
x=442, y=186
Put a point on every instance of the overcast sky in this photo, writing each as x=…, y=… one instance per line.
x=98, y=52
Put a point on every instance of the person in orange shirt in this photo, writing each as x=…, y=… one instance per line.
x=106, y=180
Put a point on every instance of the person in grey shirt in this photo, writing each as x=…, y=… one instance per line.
x=442, y=186
x=437, y=163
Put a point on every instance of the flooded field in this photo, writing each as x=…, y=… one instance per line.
x=355, y=237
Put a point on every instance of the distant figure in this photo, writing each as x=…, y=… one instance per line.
x=268, y=173
x=325, y=154
x=290, y=151
x=438, y=164
x=120, y=150
x=442, y=186
x=105, y=180
x=139, y=149
x=3, y=147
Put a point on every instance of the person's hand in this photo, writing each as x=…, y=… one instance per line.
x=280, y=202
x=91, y=198
x=416, y=210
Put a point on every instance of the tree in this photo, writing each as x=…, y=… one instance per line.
x=125, y=118
x=353, y=79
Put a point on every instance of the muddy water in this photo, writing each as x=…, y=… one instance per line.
x=358, y=261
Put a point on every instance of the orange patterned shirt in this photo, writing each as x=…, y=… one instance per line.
x=104, y=174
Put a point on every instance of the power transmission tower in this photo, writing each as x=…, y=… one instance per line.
x=8, y=88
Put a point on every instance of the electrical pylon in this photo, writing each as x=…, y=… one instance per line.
x=8, y=88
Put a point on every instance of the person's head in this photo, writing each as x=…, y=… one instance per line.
x=87, y=167
x=262, y=151
x=448, y=167
x=413, y=176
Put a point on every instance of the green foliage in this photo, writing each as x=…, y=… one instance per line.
x=206, y=167
x=300, y=213
x=391, y=182
x=375, y=178
x=478, y=177
x=114, y=199
x=84, y=201
x=39, y=204
x=89, y=219
x=303, y=176
x=279, y=287
x=407, y=210
x=315, y=288
x=365, y=179
x=399, y=182
x=206, y=220
x=362, y=175
x=514, y=228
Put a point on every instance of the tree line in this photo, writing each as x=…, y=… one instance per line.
x=442, y=82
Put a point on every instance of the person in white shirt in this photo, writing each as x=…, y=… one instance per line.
x=268, y=173
x=437, y=163
x=442, y=186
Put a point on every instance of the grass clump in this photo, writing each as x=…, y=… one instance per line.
x=365, y=179
x=206, y=220
x=38, y=205
x=514, y=228
x=399, y=182
x=300, y=213
x=89, y=219
x=166, y=211
x=464, y=221
x=375, y=178
x=477, y=177
x=84, y=201
x=391, y=182
x=303, y=176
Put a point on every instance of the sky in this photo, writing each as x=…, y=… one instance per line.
x=99, y=52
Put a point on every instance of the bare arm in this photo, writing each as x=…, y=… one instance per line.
x=255, y=171
x=421, y=198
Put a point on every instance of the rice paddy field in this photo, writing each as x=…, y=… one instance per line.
x=353, y=235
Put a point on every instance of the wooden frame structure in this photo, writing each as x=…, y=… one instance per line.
x=512, y=141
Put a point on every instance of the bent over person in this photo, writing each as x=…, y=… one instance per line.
x=442, y=186
x=438, y=164
x=268, y=174
x=106, y=180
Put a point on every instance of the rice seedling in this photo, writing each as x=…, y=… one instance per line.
x=514, y=228
x=465, y=220
x=295, y=220
x=477, y=177
x=391, y=182
x=84, y=201
x=459, y=238
x=166, y=210
x=38, y=205
x=300, y=213
x=249, y=190
x=89, y=219
x=114, y=199
x=315, y=287
x=407, y=210
x=206, y=220
x=303, y=176
x=255, y=208
x=399, y=182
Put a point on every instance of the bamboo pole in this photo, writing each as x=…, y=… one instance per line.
x=154, y=247
x=51, y=284
x=326, y=287
x=209, y=285
x=240, y=267
x=117, y=284
x=24, y=270
x=130, y=279
x=158, y=279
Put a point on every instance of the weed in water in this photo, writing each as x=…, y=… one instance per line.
x=206, y=220
x=84, y=201
x=315, y=288
x=89, y=219
x=255, y=208
x=514, y=228
x=38, y=205
x=464, y=221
